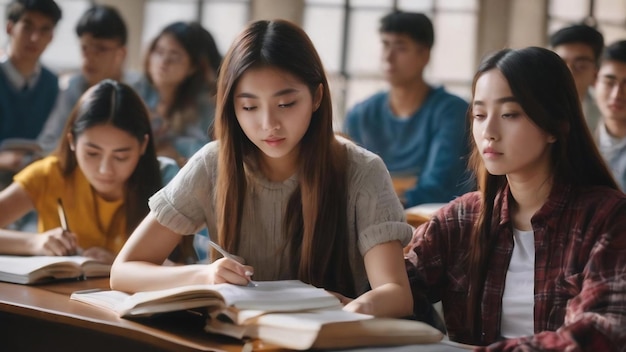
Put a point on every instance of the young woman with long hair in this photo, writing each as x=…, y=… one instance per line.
x=536, y=257
x=103, y=172
x=278, y=189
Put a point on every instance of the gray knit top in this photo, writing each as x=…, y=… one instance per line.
x=375, y=214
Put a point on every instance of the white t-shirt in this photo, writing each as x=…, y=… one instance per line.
x=518, y=301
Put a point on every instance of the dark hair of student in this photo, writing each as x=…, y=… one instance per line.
x=200, y=46
x=103, y=22
x=579, y=33
x=543, y=86
x=615, y=52
x=116, y=104
x=315, y=221
x=17, y=8
x=417, y=25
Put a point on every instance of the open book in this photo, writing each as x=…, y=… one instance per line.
x=38, y=269
x=286, y=313
x=233, y=301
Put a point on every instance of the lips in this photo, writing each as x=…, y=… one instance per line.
x=491, y=151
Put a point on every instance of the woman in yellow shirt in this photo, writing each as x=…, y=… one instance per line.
x=102, y=172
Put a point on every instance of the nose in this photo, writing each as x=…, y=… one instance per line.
x=618, y=90
x=268, y=122
x=106, y=166
x=490, y=128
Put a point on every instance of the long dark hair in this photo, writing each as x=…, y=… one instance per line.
x=116, y=104
x=543, y=86
x=315, y=224
x=204, y=55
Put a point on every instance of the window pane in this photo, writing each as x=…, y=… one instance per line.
x=324, y=2
x=453, y=54
x=416, y=6
x=371, y=3
x=611, y=10
x=327, y=38
x=456, y=5
x=364, y=46
x=63, y=53
x=159, y=14
x=224, y=28
x=574, y=10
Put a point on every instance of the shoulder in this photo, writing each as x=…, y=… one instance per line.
x=599, y=199
x=359, y=157
x=467, y=203
x=441, y=97
x=47, y=74
x=375, y=101
x=46, y=167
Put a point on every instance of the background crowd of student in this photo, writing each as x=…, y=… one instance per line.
x=112, y=140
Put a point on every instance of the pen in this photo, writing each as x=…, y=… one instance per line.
x=64, y=224
x=223, y=252
x=62, y=216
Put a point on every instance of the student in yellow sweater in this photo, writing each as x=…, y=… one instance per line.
x=103, y=172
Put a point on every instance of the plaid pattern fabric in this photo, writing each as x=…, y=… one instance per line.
x=580, y=270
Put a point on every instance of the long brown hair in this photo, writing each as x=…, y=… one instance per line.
x=204, y=57
x=315, y=225
x=543, y=86
x=116, y=104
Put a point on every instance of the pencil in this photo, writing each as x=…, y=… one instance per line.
x=62, y=216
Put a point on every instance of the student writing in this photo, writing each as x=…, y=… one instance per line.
x=278, y=189
x=103, y=170
x=536, y=259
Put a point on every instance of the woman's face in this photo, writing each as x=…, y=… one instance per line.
x=274, y=109
x=509, y=142
x=107, y=157
x=169, y=63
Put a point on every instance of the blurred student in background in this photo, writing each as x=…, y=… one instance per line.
x=418, y=130
x=102, y=34
x=28, y=90
x=103, y=172
x=536, y=259
x=179, y=86
x=278, y=189
x=610, y=94
x=580, y=46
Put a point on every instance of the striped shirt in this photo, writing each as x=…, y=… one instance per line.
x=580, y=270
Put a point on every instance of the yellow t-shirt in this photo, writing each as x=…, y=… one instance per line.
x=94, y=220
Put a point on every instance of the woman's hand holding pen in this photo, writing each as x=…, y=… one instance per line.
x=55, y=242
x=228, y=270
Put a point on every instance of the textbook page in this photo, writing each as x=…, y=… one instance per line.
x=36, y=269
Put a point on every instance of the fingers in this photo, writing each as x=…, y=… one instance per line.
x=59, y=242
x=230, y=271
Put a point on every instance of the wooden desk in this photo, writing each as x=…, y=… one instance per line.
x=43, y=318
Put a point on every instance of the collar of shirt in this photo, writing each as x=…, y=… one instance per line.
x=15, y=77
x=608, y=142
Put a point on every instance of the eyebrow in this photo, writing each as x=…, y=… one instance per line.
x=499, y=100
x=277, y=94
x=124, y=149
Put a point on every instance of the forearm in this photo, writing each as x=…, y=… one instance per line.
x=388, y=300
x=17, y=243
x=135, y=276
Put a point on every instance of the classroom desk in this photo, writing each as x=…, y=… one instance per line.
x=43, y=318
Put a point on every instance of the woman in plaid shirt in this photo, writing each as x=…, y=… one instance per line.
x=536, y=259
